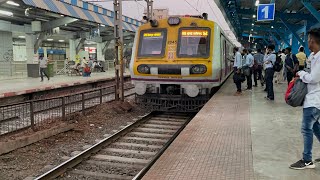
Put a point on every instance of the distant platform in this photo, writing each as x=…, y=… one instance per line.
x=15, y=87
x=238, y=138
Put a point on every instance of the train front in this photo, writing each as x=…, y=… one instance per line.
x=171, y=64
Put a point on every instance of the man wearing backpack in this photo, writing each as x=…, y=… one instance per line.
x=311, y=107
x=291, y=64
x=269, y=61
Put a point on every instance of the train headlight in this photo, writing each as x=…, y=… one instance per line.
x=143, y=69
x=174, y=21
x=198, y=69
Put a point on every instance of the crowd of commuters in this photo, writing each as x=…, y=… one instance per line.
x=293, y=66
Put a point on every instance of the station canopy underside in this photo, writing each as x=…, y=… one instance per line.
x=67, y=17
x=290, y=17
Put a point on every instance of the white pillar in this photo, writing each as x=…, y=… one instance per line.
x=72, y=50
x=30, y=40
x=100, y=54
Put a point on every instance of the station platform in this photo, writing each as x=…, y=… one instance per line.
x=15, y=87
x=238, y=138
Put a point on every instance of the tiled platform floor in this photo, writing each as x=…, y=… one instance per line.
x=14, y=87
x=238, y=138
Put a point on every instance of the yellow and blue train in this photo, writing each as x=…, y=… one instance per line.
x=178, y=62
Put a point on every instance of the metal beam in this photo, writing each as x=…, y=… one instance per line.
x=275, y=38
x=38, y=42
x=57, y=23
x=80, y=45
x=283, y=39
x=292, y=30
x=312, y=10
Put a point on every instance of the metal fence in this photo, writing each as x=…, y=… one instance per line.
x=36, y=113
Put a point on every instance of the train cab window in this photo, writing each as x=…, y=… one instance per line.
x=152, y=43
x=194, y=42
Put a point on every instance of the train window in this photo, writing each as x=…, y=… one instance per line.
x=194, y=42
x=152, y=42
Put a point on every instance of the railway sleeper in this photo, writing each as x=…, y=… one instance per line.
x=149, y=135
x=102, y=157
x=165, y=122
x=127, y=169
x=155, y=131
x=105, y=164
x=168, y=119
x=133, y=146
x=172, y=127
x=100, y=175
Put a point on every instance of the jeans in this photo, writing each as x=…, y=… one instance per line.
x=86, y=74
x=238, y=84
x=269, y=83
x=289, y=76
x=257, y=74
x=43, y=71
x=249, y=80
x=310, y=126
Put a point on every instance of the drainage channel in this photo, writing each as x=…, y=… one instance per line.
x=128, y=154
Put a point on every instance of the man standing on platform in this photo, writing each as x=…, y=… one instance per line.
x=249, y=64
x=257, y=70
x=43, y=63
x=302, y=58
x=311, y=107
x=291, y=64
x=237, y=69
x=269, y=60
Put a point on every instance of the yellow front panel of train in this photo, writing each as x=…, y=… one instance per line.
x=171, y=48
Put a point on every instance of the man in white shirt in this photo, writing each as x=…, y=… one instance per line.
x=237, y=68
x=269, y=60
x=43, y=63
x=311, y=107
x=248, y=65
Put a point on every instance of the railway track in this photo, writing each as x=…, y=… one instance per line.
x=128, y=154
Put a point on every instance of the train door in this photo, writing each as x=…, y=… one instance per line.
x=222, y=57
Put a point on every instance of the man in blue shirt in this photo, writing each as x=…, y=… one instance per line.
x=269, y=60
x=291, y=64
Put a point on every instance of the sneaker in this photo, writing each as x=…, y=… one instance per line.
x=41, y=80
x=255, y=85
x=269, y=99
x=302, y=164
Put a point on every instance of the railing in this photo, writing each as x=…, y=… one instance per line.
x=37, y=113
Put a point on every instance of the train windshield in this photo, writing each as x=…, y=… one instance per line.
x=152, y=43
x=194, y=42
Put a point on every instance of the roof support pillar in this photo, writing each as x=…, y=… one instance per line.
x=312, y=10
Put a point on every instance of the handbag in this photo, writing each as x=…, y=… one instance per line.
x=246, y=70
x=296, y=92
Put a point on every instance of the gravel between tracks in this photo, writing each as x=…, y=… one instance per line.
x=31, y=160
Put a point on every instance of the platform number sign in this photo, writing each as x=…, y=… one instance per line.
x=266, y=12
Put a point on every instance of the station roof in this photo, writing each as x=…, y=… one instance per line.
x=83, y=10
x=290, y=15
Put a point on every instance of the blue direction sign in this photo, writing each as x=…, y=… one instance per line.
x=265, y=12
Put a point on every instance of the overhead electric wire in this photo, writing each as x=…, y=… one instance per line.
x=192, y=6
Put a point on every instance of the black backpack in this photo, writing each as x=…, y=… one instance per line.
x=278, y=65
